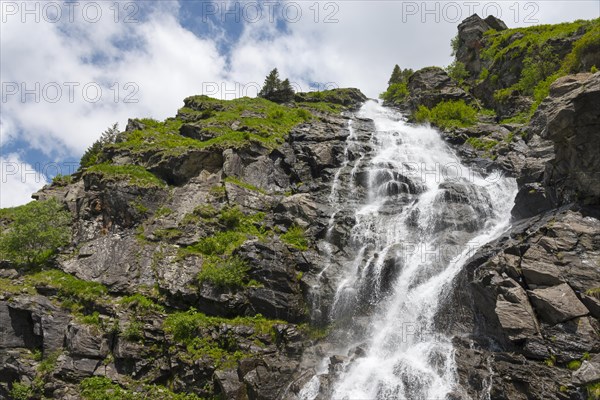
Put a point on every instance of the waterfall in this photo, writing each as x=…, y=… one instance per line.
x=422, y=215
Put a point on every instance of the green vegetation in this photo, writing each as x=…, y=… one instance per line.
x=541, y=66
x=448, y=114
x=92, y=154
x=574, y=365
x=295, y=237
x=550, y=361
x=62, y=180
x=34, y=232
x=245, y=185
x=168, y=233
x=135, y=175
x=395, y=93
x=102, y=388
x=275, y=89
x=67, y=286
x=134, y=331
x=21, y=391
x=163, y=211
x=187, y=329
x=238, y=227
x=593, y=391
x=91, y=319
x=141, y=304
x=458, y=72
x=227, y=273
x=482, y=143
x=397, y=90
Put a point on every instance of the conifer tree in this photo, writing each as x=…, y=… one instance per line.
x=276, y=90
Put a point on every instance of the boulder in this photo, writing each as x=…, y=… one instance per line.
x=557, y=304
x=432, y=85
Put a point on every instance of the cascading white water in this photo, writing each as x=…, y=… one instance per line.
x=423, y=215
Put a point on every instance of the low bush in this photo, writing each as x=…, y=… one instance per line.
x=448, y=114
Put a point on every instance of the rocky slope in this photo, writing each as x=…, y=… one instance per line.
x=197, y=243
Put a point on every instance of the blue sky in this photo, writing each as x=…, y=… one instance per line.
x=69, y=70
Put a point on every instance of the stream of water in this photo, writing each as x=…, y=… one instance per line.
x=423, y=214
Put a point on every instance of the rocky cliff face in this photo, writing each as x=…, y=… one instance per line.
x=198, y=246
x=188, y=273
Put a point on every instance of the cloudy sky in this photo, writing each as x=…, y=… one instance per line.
x=70, y=69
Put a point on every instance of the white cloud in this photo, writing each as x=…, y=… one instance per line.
x=162, y=64
x=18, y=181
x=166, y=62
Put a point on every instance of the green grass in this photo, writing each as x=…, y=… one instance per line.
x=258, y=120
x=102, y=388
x=187, y=327
x=574, y=365
x=295, y=237
x=245, y=185
x=141, y=303
x=134, y=174
x=134, y=331
x=62, y=180
x=21, y=391
x=593, y=391
x=230, y=273
x=168, y=234
x=482, y=143
x=68, y=286
x=541, y=67
x=219, y=244
x=163, y=211
x=236, y=228
x=448, y=114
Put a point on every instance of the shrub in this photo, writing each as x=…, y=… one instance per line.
x=458, y=72
x=395, y=93
x=35, y=232
x=295, y=238
x=228, y=273
x=448, y=114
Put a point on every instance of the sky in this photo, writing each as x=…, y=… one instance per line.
x=71, y=69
